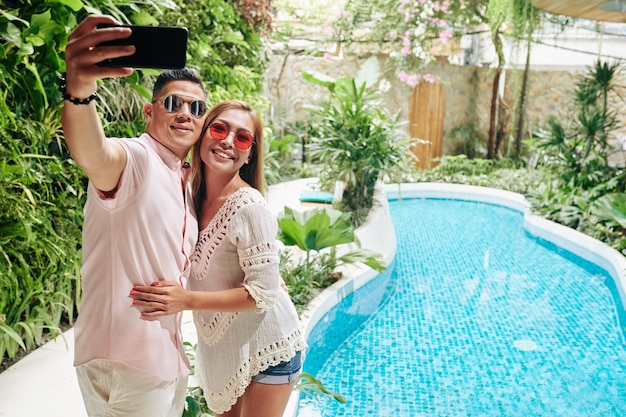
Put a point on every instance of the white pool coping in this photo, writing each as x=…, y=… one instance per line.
x=377, y=233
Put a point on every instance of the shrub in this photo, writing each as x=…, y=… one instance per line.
x=359, y=142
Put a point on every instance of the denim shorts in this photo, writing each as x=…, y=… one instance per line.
x=283, y=373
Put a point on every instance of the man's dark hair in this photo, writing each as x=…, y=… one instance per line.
x=184, y=74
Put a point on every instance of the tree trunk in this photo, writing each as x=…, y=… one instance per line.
x=504, y=115
x=493, y=115
x=522, y=101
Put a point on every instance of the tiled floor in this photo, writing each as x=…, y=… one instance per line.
x=44, y=382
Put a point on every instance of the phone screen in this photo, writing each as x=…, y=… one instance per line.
x=161, y=47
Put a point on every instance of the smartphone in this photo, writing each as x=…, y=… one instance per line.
x=160, y=47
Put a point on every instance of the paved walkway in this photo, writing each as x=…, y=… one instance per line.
x=43, y=383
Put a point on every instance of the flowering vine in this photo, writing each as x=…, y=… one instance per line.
x=404, y=30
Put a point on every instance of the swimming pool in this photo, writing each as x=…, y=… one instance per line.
x=477, y=316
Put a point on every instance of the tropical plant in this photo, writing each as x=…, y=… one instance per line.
x=580, y=148
x=464, y=140
x=307, y=384
x=40, y=193
x=39, y=231
x=287, y=158
x=195, y=403
x=226, y=46
x=596, y=120
x=611, y=207
x=279, y=161
x=609, y=224
x=317, y=234
x=359, y=142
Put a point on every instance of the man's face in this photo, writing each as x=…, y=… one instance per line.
x=177, y=129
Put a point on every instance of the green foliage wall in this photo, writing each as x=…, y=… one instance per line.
x=224, y=48
x=43, y=191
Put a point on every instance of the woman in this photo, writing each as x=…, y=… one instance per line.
x=249, y=340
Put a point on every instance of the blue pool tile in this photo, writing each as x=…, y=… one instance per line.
x=475, y=318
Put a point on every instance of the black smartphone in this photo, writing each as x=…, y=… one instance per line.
x=160, y=47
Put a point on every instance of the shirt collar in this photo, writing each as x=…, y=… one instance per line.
x=168, y=157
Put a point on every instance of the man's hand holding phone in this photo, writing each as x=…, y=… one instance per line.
x=83, y=52
x=101, y=47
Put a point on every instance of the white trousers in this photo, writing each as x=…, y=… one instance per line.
x=111, y=389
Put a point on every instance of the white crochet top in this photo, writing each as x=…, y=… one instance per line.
x=238, y=248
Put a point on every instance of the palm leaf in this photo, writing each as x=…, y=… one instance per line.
x=611, y=207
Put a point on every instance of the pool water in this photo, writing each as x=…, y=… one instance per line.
x=474, y=318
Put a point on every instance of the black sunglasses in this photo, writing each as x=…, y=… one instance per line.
x=173, y=103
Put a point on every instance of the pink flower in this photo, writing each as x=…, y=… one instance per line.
x=406, y=41
x=412, y=80
x=402, y=5
x=403, y=76
x=406, y=51
x=326, y=55
x=445, y=36
x=429, y=78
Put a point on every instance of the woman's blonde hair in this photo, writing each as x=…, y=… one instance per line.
x=252, y=172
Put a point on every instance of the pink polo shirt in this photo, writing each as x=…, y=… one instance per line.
x=146, y=232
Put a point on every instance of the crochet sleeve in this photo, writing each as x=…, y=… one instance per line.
x=253, y=231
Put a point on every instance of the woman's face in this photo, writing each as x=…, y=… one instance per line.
x=227, y=143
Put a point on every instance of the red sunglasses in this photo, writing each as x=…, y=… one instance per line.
x=220, y=131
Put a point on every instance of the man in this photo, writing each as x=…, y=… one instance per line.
x=139, y=226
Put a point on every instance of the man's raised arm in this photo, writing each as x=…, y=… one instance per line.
x=102, y=160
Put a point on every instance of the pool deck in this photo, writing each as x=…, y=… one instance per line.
x=44, y=382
